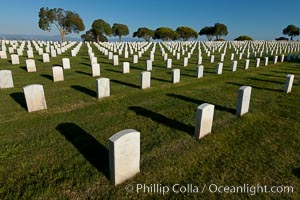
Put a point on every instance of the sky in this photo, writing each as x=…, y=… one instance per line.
x=259, y=19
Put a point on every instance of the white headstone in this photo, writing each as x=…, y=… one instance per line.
x=200, y=71
x=275, y=59
x=266, y=61
x=149, y=65
x=35, y=97
x=58, y=73
x=124, y=155
x=288, y=83
x=126, y=67
x=234, y=66
x=282, y=58
x=219, y=68
x=145, y=80
x=46, y=57
x=176, y=75
x=30, y=65
x=135, y=59
x=30, y=54
x=66, y=63
x=204, y=120
x=243, y=102
x=103, y=87
x=96, y=70
x=185, y=61
x=15, y=59
x=247, y=61
x=199, y=60
x=257, y=62
x=6, y=80
x=116, y=60
x=212, y=59
x=3, y=55
x=169, y=63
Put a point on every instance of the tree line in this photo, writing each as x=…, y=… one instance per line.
x=70, y=22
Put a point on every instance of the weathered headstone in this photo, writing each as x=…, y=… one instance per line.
x=145, y=80
x=6, y=80
x=288, y=83
x=35, y=97
x=204, y=120
x=30, y=65
x=103, y=87
x=200, y=71
x=124, y=155
x=176, y=75
x=126, y=67
x=243, y=102
x=66, y=63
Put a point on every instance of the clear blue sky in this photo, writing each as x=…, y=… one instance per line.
x=260, y=19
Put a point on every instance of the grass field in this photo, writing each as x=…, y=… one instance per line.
x=62, y=152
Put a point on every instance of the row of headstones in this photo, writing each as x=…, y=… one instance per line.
x=239, y=54
x=46, y=56
x=35, y=97
x=124, y=146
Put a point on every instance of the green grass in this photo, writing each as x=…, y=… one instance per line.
x=62, y=152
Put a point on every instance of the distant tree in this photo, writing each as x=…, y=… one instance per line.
x=65, y=21
x=282, y=39
x=243, y=38
x=144, y=33
x=209, y=31
x=291, y=30
x=186, y=33
x=220, y=30
x=89, y=36
x=120, y=30
x=165, y=34
x=101, y=28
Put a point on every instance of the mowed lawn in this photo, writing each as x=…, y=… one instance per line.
x=62, y=152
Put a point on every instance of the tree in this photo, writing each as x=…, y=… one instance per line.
x=120, y=30
x=165, y=34
x=144, y=33
x=186, y=33
x=65, y=21
x=209, y=31
x=90, y=36
x=291, y=30
x=101, y=28
x=243, y=38
x=220, y=30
